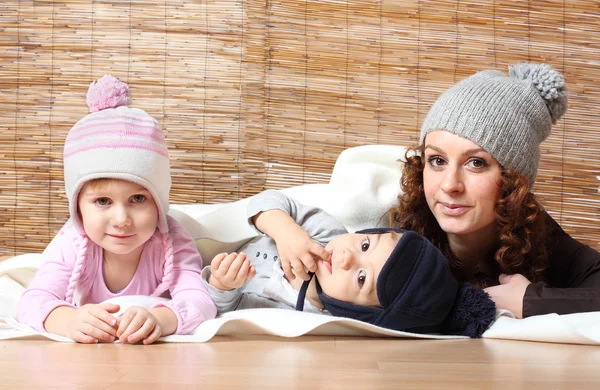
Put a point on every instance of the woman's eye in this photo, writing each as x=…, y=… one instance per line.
x=364, y=246
x=102, y=201
x=478, y=163
x=435, y=161
x=362, y=277
x=138, y=198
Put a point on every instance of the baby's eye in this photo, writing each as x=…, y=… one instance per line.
x=362, y=276
x=364, y=246
x=138, y=198
x=102, y=201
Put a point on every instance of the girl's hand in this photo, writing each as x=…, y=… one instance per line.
x=229, y=271
x=298, y=252
x=509, y=294
x=138, y=324
x=93, y=323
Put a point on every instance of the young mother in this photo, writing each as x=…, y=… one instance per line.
x=467, y=188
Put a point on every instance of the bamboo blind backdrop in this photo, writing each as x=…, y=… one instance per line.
x=266, y=94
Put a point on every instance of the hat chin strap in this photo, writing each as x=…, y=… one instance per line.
x=304, y=288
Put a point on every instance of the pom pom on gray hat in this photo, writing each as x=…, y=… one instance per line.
x=549, y=83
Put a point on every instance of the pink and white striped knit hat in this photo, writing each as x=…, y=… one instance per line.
x=116, y=142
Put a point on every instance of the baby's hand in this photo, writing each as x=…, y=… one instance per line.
x=229, y=271
x=136, y=324
x=298, y=253
x=93, y=323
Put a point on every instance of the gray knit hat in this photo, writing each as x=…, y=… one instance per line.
x=508, y=116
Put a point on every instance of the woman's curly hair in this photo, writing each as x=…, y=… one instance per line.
x=520, y=218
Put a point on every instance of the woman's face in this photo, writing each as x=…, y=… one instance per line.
x=461, y=183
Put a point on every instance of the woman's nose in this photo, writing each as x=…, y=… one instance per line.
x=452, y=181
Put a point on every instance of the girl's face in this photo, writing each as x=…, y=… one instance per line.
x=461, y=183
x=118, y=215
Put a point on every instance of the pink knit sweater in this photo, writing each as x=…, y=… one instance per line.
x=190, y=300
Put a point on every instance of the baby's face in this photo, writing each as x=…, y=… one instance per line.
x=350, y=274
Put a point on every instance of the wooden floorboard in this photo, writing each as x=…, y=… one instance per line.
x=301, y=363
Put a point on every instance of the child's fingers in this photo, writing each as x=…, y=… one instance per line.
x=320, y=252
x=216, y=261
x=94, y=332
x=299, y=270
x=83, y=338
x=146, y=328
x=225, y=264
x=242, y=274
x=251, y=274
x=309, y=262
x=110, y=307
x=235, y=266
x=101, y=319
x=124, y=322
x=286, y=266
x=136, y=323
x=99, y=324
x=152, y=337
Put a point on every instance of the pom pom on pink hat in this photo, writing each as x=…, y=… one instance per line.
x=107, y=92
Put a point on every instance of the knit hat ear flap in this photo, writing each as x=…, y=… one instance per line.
x=472, y=314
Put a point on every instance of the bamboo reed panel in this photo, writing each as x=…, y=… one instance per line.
x=266, y=94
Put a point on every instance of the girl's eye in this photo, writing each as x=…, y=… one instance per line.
x=435, y=161
x=364, y=246
x=102, y=201
x=138, y=198
x=362, y=276
x=478, y=163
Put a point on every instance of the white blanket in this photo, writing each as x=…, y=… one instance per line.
x=363, y=186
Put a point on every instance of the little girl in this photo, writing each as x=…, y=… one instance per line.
x=119, y=240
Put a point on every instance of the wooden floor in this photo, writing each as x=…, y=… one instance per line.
x=301, y=363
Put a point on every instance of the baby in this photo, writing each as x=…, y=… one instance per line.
x=390, y=278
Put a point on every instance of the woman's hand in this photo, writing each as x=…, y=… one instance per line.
x=230, y=271
x=509, y=294
x=138, y=324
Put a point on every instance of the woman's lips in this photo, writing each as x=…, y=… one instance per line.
x=454, y=210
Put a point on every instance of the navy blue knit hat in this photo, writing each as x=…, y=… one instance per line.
x=417, y=293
